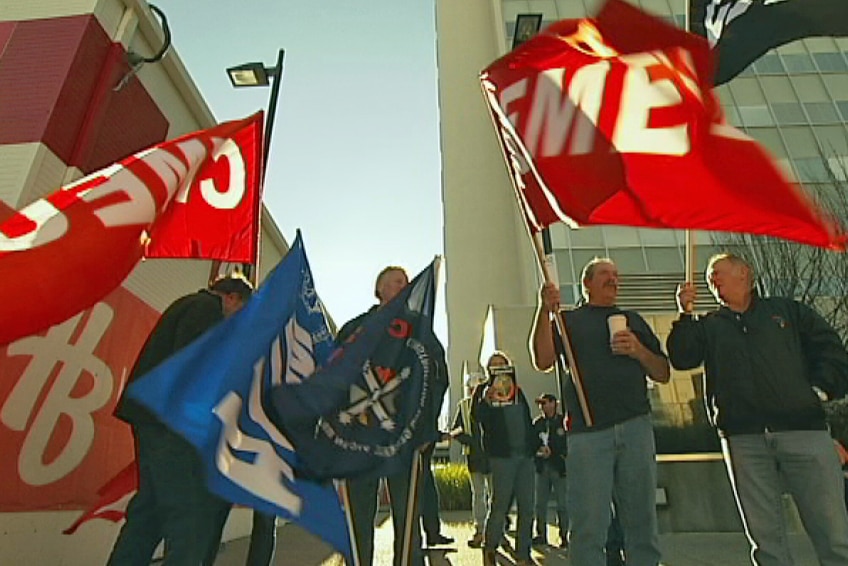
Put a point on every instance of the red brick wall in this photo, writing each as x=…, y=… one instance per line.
x=56, y=81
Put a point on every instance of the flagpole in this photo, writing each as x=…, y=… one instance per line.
x=354, y=548
x=538, y=245
x=688, y=236
x=410, y=520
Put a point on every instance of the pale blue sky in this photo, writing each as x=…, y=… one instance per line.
x=354, y=157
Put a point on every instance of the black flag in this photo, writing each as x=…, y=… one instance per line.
x=743, y=30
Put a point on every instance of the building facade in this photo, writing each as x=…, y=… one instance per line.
x=794, y=101
x=70, y=105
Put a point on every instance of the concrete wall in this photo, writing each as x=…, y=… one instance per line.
x=479, y=205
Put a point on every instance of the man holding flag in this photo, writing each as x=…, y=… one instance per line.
x=767, y=362
x=172, y=501
x=366, y=414
x=362, y=491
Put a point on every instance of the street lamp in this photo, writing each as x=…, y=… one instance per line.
x=257, y=74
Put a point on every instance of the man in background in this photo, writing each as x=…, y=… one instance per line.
x=549, y=428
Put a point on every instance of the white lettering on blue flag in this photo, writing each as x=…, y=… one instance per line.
x=263, y=477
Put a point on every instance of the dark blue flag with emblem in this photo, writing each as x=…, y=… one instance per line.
x=216, y=391
x=743, y=30
x=379, y=396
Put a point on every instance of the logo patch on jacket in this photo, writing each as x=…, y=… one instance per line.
x=779, y=321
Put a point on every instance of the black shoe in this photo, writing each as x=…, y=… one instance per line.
x=539, y=541
x=438, y=539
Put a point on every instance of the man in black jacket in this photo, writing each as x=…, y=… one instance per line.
x=768, y=362
x=362, y=491
x=549, y=428
x=172, y=502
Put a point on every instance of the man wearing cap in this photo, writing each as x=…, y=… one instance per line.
x=466, y=431
x=549, y=428
x=172, y=502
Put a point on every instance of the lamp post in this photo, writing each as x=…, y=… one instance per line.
x=257, y=74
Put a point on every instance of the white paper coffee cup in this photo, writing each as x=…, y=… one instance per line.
x=616, y=323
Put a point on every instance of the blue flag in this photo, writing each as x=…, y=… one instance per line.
x=379, y=396
x=215, y=392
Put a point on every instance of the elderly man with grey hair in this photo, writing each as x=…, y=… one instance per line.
x=768, y=362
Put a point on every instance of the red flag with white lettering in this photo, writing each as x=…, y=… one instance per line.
x=612, y=120
x=196, y=196
x=112, y=499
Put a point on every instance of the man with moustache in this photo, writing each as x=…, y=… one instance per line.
x=615, y=455
x=767, y=364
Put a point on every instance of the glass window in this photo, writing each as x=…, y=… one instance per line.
x=798, y=63
x=788, y=113
x=629, y=260
x=680, y=20
x=830, y=62
x=810, y=88
x=832, y=138
x=769, y=64
x=563, y=265
x=811, y=170
x=770, y=139
x=664, y=260
x=747, y=72
x=800, y=142
x=589, y=237
x=755, y=116
x=703, y=255
x=582, y=257
x=568, y=294
x=842, y=105
x=821, y=112
x=732, y=116
x=621, y=237
x=778, y=89
x=657, y=237
x=747, y=92
x=559, y=235
x=837, y=85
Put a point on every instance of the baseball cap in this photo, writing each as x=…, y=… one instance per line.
x=546, y=397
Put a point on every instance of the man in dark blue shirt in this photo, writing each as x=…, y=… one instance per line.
x=615, y=454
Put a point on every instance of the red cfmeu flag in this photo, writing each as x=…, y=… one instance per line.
x=612, y=120
x=112, y=499
x=197, y=196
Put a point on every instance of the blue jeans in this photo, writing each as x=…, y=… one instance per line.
x=546, y=481
x=480, y=496
x=510, y=478
x=618, y=461
x=806, y=464
x=171, y=503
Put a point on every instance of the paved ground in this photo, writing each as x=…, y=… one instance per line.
x=296, y=547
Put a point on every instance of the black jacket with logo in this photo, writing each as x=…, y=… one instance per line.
x=557, y=442
x=761, y=365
